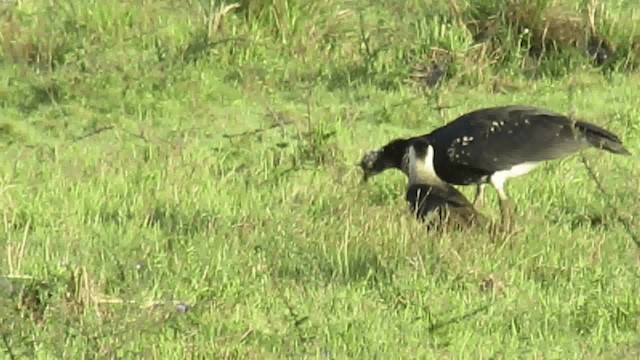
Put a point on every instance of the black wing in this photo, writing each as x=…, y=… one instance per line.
x=499, y=138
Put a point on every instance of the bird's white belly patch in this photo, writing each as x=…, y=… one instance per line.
x=515, y=171
x=500, y=177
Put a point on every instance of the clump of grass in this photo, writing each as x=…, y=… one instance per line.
x=548, y=30
x=28, y=38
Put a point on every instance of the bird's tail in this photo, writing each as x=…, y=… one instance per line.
x=601, y=138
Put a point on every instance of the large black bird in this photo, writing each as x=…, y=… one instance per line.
x=492, y=145
x=432, y=200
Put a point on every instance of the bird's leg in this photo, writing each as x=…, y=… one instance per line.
x=478, y=201
x=506, y=209
x=506, y=206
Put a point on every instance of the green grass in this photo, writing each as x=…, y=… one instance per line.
x=151, y=158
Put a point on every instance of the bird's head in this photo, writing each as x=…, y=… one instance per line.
x=389, y=156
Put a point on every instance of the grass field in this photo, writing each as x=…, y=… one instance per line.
x=177, y=182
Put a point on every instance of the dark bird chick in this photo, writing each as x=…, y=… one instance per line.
x=431, y=199
x=492, y=145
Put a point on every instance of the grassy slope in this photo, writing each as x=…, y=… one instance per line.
x=269, y=237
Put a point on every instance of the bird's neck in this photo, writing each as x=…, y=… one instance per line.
x=405, y=164
x=422, y=170
x=424, y=174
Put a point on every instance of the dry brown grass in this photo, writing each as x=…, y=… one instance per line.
x=544, y=27
x=37, y=44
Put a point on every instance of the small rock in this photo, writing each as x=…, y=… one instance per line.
x=182, y=307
